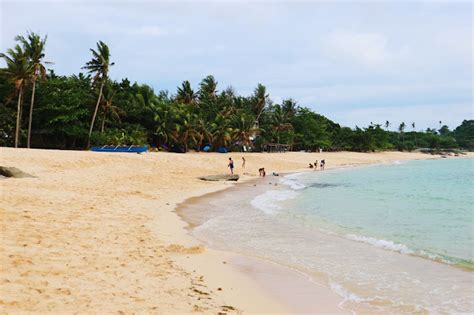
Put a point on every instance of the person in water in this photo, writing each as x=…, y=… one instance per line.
x=231, y=166
x=323, y=163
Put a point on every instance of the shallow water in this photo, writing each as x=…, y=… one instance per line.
x=395, y=238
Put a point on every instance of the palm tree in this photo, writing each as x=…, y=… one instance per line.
x=34, y=48
x=18, y=71
x=203, y=130
x=208, y=88
x=244, y=129
x=280, y=122
x=401, y=128
x=260, y=100
x=387, y=124
x=186, y=94
x=108, y=106
x=99, y=65
x=413, y=125
x=164, y=126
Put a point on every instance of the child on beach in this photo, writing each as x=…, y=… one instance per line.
x=231, y=166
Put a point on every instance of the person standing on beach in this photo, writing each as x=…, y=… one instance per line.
x=243, y=163
x=323, y=163
x=231, y=166
x=316, y=165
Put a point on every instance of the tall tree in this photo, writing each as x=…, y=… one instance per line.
x=208, y=88
x=186, y=94
x=260, y=99
x=99, y=66
x=401, y=128
x=18, y=71
x=413, y=125
x=108, y=107
x=387, y=124
x=34, y=47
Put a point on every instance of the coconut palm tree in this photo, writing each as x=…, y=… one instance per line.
x=186, y=94
x=203, y=130
x=108, y=107
x=244, y=129
x=413, y=125
x=387, y=124
x=34, y=47
x=18, y=71
x=99, y=66
x=208, y=88
x=260, y=100
x=401, y=128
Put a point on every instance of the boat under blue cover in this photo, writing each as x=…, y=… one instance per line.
x=121, y=148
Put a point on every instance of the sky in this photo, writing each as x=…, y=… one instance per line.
x=355, y=62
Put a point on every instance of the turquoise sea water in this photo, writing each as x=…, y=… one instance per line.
x=419, y=207
x=388, y=238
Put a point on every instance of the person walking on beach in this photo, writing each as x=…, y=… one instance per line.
x=231, y=166
x=243, y=163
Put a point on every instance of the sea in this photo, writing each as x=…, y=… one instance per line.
x=393, y=238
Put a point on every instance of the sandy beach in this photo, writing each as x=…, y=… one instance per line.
x=98, y=232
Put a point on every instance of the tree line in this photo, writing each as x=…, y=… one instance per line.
x=39, y=108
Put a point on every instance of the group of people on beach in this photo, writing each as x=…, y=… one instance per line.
x=231, y=165
x=261, y=171
x=315, y=166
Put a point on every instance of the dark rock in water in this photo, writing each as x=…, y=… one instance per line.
x=13, y=172
x=215, y=178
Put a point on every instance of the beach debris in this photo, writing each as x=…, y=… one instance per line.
x=13, y=172
x=215, y=178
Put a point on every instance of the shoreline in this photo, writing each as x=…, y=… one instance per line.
x=333, y=300
x=107, y=222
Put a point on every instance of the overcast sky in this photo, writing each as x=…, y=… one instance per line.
x=354, y=62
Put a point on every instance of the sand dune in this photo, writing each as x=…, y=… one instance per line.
x=96, y=232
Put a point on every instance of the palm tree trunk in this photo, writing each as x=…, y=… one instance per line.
x=31, y=114
x=103, y=124
x=18, y=117
x=95, y=115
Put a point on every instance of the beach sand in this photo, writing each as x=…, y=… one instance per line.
x=98, y=232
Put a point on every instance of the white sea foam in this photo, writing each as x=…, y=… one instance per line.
x=290, y=181
x=384, y=244
x=268, y=201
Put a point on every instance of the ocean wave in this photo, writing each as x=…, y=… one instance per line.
x=291, y=182
x=403, y=249
x=384, y=244
x=268, y=201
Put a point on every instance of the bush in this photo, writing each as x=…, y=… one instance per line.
x=119, y=137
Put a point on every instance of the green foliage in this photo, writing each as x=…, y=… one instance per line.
x=66, y=108
x=464, y=134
